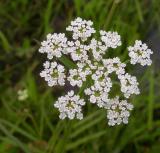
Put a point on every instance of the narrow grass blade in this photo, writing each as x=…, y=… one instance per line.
x=85, y=140
x=47, y=16
x=4, y=42
x=87, y=119
x=14, y=139
x=19, y=130
x=151, y=99
x=139, y=11
x=86, y=126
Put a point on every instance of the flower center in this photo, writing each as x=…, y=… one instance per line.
x=54, y=47
x=128, y=83
x=75, y=77
x=97, y=93
x=139, y=52
x=78, y=51
x=101, y=78
x=115, y=65
x=70, y=105
x=55, y=74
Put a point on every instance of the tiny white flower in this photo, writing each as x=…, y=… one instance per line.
x=22, y=95
x=118, y=111
x=101, y=79
x=97, y=95
x=54, y=46
x=139, y=53
x=53, y=73
x=111, y=39
x=98, y=49
x=70, y=106
x=129, y=85
x=81, y=29
x=77, y=51
x=114, y=65
x=77, y=76
x=74, y=78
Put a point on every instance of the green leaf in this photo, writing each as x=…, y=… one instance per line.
x=32, y=87
x=4, y=42
x=67, y=62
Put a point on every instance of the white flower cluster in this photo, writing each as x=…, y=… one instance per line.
x=22, y=94
x=118, y=111
x=77, y=51
x=114, y=65
x=129, y=85
x=111, y=39
x=77, y=76
x=54, y=46
x=81, y=29
x=97, y=95
x=70, y=106
x=140, y=53
x=92, y=72
x=98, y=49
x=53, y=73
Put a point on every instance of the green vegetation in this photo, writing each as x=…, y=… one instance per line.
x=33, y=126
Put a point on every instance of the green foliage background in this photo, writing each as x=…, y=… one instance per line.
x=32, y=126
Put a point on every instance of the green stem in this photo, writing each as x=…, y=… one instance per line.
x=111, y=12
x=151, y=100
